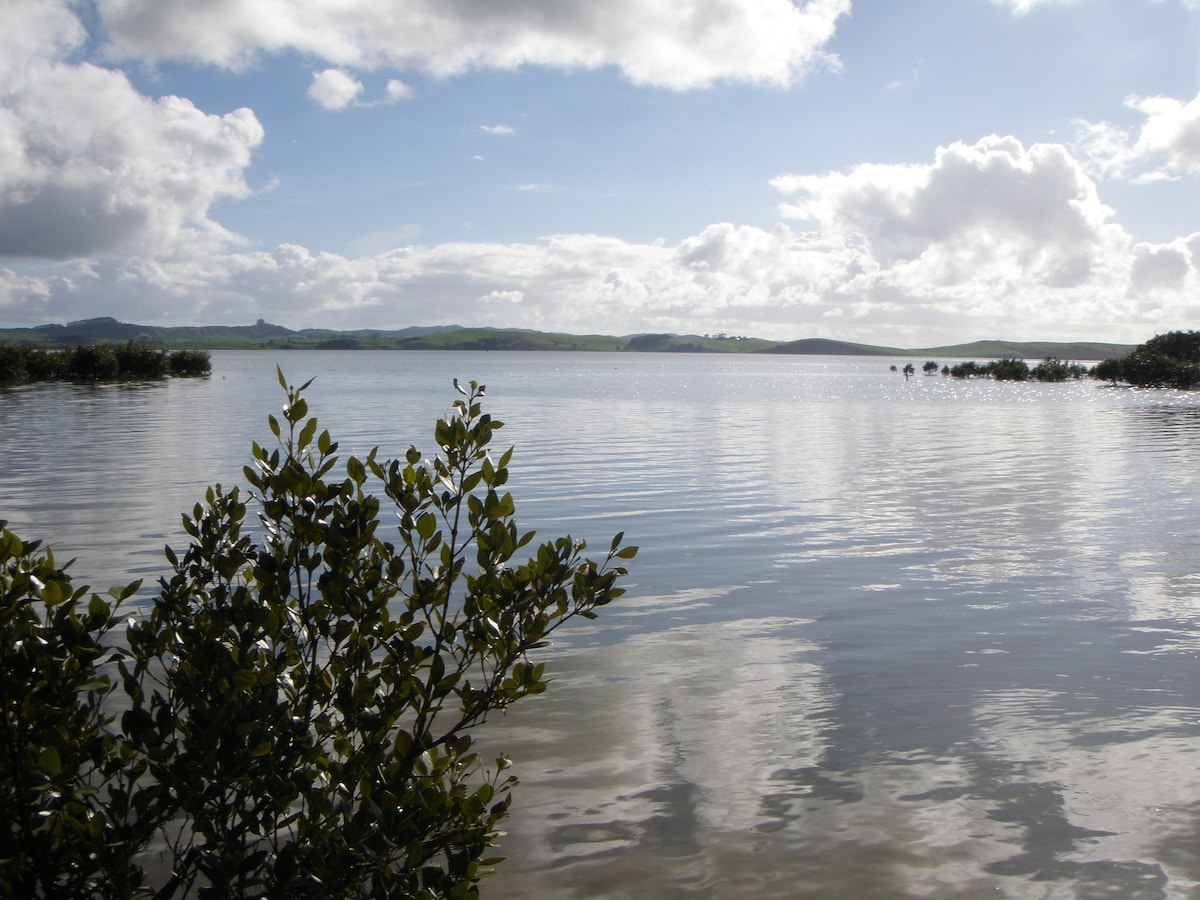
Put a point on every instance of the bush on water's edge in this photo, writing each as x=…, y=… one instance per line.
x=99, y=362
x=1166, y=360
x=291, y=715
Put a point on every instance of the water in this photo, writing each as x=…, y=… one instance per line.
x=884, y=638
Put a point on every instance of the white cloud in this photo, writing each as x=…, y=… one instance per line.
x=1166, y=146
x=989, y=207
x=1172, y=130
x=994, y=234
x=1164, y=267
x=776, y=283
x=397, y=90
x=982, y=236
x=333, y=89
x=90, y=166
x=677, y=44
x=989, y=239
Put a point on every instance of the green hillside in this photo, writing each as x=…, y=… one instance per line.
x=264, y=335
x=826, y=347
x=1028, y=350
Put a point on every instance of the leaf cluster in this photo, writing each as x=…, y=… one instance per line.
x=66, y=779
x=300, y=699
x=1166, y=360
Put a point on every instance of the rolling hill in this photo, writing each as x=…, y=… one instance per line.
x=264, y=335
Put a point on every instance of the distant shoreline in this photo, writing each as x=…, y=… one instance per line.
x=265, y=336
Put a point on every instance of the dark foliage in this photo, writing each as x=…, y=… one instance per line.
x=969, y=369
x=1166, y=360
x=298, y=708
x=1053, y=369
x=99, y=362
x=190, y=363
x=1107, y=370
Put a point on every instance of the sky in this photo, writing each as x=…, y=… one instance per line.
x=904, y=174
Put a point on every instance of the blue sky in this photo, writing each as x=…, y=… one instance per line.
x=909, y=174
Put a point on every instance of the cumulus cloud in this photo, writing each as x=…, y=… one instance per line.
x=333, y=89
x=983, y=236
x=979, y=217
x=676, y=44
x=509, y=297
x=991, y=232
x=1167, y=145
x=826, y=282
x=1165, y=267
x=90, y=166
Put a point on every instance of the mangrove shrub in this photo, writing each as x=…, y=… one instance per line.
x=99, y=362
x=300, y=698
x=1166, y=360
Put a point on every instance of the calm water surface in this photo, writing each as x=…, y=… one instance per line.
x=884, y=638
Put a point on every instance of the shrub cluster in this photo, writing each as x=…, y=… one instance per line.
x=1054, y=369
x=1166, y=360
x=1049, y=369
x=298, y=702
x=99, y=362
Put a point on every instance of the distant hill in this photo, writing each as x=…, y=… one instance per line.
x=826, y=347
x=1029, y=350
x=106, y=329
x=264, y=335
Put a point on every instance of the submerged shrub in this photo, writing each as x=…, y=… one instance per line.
x=12, y=362
x=141, y=361
x=1107, y=370
x=93, y=362
x=1009, y=370
x=43, y=365
x=99, y=362
x=1053, y=369
x=968, y=369
x=1166, y=360
x=190, y=363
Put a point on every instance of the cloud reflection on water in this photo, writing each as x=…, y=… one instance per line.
x=884, y=638
x=698, y=762
x=668, y=742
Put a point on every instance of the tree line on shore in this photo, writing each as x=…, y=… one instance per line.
x=99, y=362
x=1166, y=360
